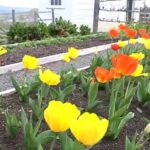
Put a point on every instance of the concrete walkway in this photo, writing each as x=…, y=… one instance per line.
x=82, y=61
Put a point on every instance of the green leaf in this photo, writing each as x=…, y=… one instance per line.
x=45, y=137
x=68, y=90
x=54, y=93
x=119, y=113
x=24, y=119
x=16, y=86
x=124, y=120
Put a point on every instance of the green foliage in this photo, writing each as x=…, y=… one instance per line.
x=84, y=79
x=26, y=88
x=20, y=32
x=65, y=28
x=96, y=61
x=138, y=26
x=84, y=30
x=137, y=142
x=68, y=144
x=32, y=139
x=143, y=90
x=92, y=96
x=17, y=33
x=120, y=101
x=54, y=40
x=61, y=94
x=12, y=123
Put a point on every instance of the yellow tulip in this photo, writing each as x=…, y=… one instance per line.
x=2, y=50
x=66, y=57
x=59, y=116
x=138, y=56
x=147, y=44
x=132, y=41
x=89, y=129
x=30, y=62
x=73, y=53
x=122, y=43
x=147, y=129
x=140, y=40
x=48, y=77
x=138, y=71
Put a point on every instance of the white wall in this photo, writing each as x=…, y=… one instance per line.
x=77, y=11
x=83, y=11
x=65, y=11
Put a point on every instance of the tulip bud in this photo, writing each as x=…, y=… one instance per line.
x=147, y=129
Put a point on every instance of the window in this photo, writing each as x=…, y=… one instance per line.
x=55, y=2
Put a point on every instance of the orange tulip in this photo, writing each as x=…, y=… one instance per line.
x=131, y=33
x=103, y=75
x=123, y=27
x=125, y=64
x=145, y=36
x=115, y=74
x=142, y=31
x=113, y=33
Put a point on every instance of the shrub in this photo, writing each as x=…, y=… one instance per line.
x=17, y=33
x=84, y=30
x=20, y=32
x=62, y=27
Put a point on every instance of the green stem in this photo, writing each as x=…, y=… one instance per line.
x=53, y=143
x=88, y=148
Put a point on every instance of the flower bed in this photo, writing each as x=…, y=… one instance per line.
x=50, y=47
x=104, y=107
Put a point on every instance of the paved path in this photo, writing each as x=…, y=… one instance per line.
x=82, y=61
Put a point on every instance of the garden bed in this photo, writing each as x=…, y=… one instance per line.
x=41, y=51
x=136, y=124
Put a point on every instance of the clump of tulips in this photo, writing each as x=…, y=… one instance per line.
x=123, y=73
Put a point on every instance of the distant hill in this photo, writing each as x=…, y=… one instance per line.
x=5, y=9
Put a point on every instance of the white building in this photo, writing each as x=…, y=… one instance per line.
x=77, y=11
x=82, y=11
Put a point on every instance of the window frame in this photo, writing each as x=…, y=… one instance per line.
x=56, y=6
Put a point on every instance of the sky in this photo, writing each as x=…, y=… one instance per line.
x=20, y=3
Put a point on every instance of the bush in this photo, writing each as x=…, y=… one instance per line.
x=17, y=33
x=84, y=30
x=62, y=27
x=20, y=32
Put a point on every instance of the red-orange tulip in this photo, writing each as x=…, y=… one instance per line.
x=103, y=75
x=131, y=33
x=115, y=47
x=142, y=31
x=113, y=33
x=123, y=27
x=114, y=73
x=125, y=64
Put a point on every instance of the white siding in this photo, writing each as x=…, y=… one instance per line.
x=65, y=11
x=83, y=11
x=77, y=11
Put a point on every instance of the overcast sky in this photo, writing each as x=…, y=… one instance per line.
x=20, y=3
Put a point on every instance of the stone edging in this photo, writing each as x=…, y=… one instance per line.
x=12, y=90
x=52, y=58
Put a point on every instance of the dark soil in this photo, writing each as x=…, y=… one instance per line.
x=136, y=124
x=41, y=51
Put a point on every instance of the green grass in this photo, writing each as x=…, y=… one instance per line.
x=56, y=40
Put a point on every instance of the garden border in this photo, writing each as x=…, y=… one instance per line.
x=52, y=58
x=49, y=59
x=12, y=90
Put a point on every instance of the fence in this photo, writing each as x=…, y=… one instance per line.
x=32, y=16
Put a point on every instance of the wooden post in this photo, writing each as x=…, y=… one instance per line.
x=13, y=16
x=96, y=15
x=35, y=16
x=53, y=16
x=129, y=11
